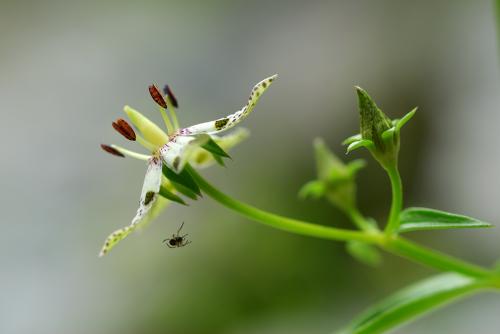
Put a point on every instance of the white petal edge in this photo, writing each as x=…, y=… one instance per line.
x=149, y=194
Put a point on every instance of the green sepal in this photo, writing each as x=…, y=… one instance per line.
x=366, y=254
x=185, y=191
x=360, y=143
x=410, y=302
x=388, y=134
x=355, y=165
x=419, y=219
x=401, y=122
x=214, y=148
x=171, y=196
x=183, y=179
x=218, y=159
x=352, y=139
x=313, y=189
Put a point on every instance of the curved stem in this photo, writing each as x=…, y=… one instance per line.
x=393, y=244
x=432, y=258
x=280, y=222
x=397, y=200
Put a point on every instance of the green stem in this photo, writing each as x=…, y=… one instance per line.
x=433, y=258
x=392, y=244
x=280, y=222
x=361, y=222
x=397, y=200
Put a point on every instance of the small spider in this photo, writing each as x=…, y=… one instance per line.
x=177, y=240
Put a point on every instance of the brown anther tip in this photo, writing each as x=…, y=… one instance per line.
x=124, y=129
x=112, y=150
x=168, y=91
x=157, y=97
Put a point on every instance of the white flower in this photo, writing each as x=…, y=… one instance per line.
x=174, y=149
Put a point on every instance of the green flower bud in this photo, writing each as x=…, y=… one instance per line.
x=378, y=133
x=373, y=122
x=336, y=180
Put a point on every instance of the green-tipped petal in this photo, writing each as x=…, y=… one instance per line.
x=151, y=132
x=231, y=120
x=149, y=196
x=201, y=158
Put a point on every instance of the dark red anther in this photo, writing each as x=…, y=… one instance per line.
x=112, y=150
x=124, y=129
x=167, y=91
x=157, y=97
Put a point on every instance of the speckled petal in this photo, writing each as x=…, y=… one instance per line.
x=149, y=195
x=229, y=121
x=178, y=150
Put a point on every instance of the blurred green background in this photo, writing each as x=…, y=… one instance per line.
x=68, y=67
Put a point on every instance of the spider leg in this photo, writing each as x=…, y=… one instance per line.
x=180, y=228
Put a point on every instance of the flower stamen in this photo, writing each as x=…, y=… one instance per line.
x=124, y=152
x=113, y=151
x=171, y=110
x=122, y=127
x=167, y=91
x=146, y=144
x=157, y=97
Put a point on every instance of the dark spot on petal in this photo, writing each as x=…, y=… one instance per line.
x=220, y=123
x=150, y=195
x=176, y=162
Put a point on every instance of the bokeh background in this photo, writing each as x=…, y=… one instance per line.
x=68, y=67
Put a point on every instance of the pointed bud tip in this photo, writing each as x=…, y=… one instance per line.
x=123, y=128
x=362, y=93
x=111, y=150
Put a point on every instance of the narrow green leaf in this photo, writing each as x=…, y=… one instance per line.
x=411, y=302
x=171, y=196
x=416, y=219
x=214, y=148
x=183, y=178
x=364, y=253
